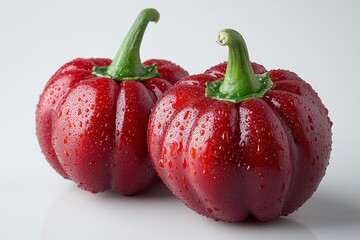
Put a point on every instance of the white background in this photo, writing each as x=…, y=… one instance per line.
x=319, y=40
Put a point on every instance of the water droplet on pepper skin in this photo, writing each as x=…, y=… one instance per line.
x=310, y=119
x=180, y=148
x=225, y=136
x=93, y=163
x=185, y=184
x=193, y=153
x=161, y=164
x=173, y=147
x=184, y=163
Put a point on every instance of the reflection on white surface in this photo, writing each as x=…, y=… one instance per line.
x=154, y=214
x=331, y=212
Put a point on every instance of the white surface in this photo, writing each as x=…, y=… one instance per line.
x=317, y=39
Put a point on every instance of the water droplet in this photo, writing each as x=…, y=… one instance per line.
x=331, y=123
x=185, y=184
x=209, y=210
x=258, y=148
x=225, y=136
x=310, y=119
x=186, y=115
x=193, y=153
x=93, y=163
x=161, y=164
x=173, y=147
x=313, y=162
x=276, y=104
x=180, y=148
x=184, y=163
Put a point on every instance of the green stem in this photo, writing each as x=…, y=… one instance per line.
x=127, y=63
x=240, y=82
x=239, y=77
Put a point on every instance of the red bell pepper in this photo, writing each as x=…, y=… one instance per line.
x=91, y=119
x=240, y=141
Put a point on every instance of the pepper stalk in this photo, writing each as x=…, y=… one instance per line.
x=240, y=82
x=127, y=63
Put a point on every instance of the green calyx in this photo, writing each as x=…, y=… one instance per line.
x=127, y=63
x=240, y=82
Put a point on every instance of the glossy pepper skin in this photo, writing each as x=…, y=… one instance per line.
x=262, y=156
x=92, y=128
